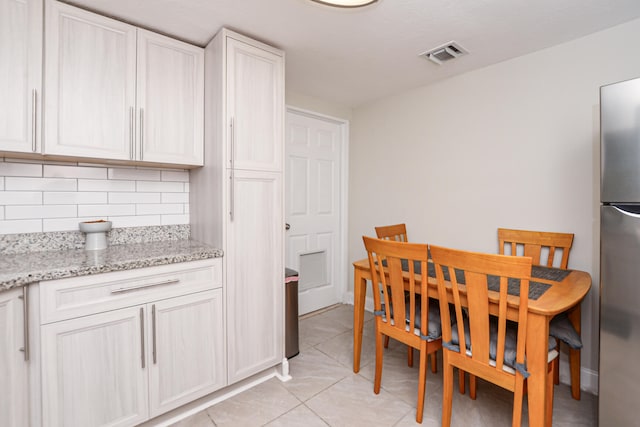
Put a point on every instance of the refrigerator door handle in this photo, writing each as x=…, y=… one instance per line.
x=631, y=210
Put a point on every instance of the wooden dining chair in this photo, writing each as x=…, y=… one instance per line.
x=411, y=320
x=398, y=233
x=498, y=351
x=549, y=249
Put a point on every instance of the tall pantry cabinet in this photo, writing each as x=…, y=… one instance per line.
x=237, y=197
x=21, y=72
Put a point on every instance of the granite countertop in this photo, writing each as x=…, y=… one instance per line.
x=24, y=268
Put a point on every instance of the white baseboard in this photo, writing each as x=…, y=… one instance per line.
x=588, y=377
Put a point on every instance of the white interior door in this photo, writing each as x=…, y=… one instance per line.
x=313, y=203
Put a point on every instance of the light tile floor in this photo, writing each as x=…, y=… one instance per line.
x=324, y=390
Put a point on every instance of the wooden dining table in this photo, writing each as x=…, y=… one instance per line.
x=565, y=295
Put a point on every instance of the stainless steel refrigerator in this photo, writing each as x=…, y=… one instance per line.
x=619, y=374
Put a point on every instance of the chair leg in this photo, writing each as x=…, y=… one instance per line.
x=549, y=402
x=518, y=395
x=461, y=380
x=574, y=366
x=472, y=387
x=447, y=390
x=378, y=373
x=434, y=363
x=422, y=381
x=556, y=366
x=410, y=356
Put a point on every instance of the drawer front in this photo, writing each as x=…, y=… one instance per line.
x=81, y=296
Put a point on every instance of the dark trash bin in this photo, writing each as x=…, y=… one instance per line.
x=291, y=313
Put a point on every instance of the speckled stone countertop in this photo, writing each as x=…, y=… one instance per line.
x=24, y=268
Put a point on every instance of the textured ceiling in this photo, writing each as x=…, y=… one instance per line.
x=354, y=56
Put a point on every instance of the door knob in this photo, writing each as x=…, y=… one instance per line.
x=287, y=226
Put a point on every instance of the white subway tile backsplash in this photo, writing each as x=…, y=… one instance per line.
x=20, y=169
x=180, y=176
x=105, y=185
x=20, y=198
x=134, y=174
x=136, y=221
x=40, y=184
x=45, y=196
x=21, y=226
x=135, y=197
x=160, y=187
x=64, y=224
x=57, y=171
x=175, y=219
x=74, y=198
x=160, y=208
x=106, y=210
x=40, y=211
x=175, y=197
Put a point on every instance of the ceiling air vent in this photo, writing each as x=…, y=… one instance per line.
x=444, y=53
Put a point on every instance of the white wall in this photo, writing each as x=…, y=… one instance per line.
x=43, y=196
x=512, y=145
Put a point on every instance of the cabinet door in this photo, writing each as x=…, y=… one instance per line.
x=13, y=367
x=187, y=349
x=94, y=370
x=255, y=106
x=255, y=274
x=90, y=76
x=21, y=71
x=170, y=96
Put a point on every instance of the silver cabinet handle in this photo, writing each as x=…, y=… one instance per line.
x=141, y=132
x=25, y=313
x=146, y=285
x=153, y=332
x=142, y=352
x=132, y=119
x=34, y=119
x=231, y=195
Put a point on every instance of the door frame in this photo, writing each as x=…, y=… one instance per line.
x=341, y=265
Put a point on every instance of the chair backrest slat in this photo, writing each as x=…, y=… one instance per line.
x=534, y=242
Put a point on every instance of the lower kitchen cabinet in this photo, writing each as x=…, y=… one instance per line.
x=150, y=344
x=93, y=370
x=13, y=363
x=187, y=357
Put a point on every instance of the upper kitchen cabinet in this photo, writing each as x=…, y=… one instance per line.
x=21, y=71
x=170, y=94
x=117, y=92
x=255, y=91
x=90, y=74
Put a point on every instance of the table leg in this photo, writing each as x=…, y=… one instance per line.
x=574, y=354
x=537, y=344
x=359, y=293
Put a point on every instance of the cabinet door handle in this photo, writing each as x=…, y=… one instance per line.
x=25, y=313
x=153, y=331
x=146, y=285
x=34, y=119
x=142, y=350
x=141, y=132
x=132, y=119
x=231, y=195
